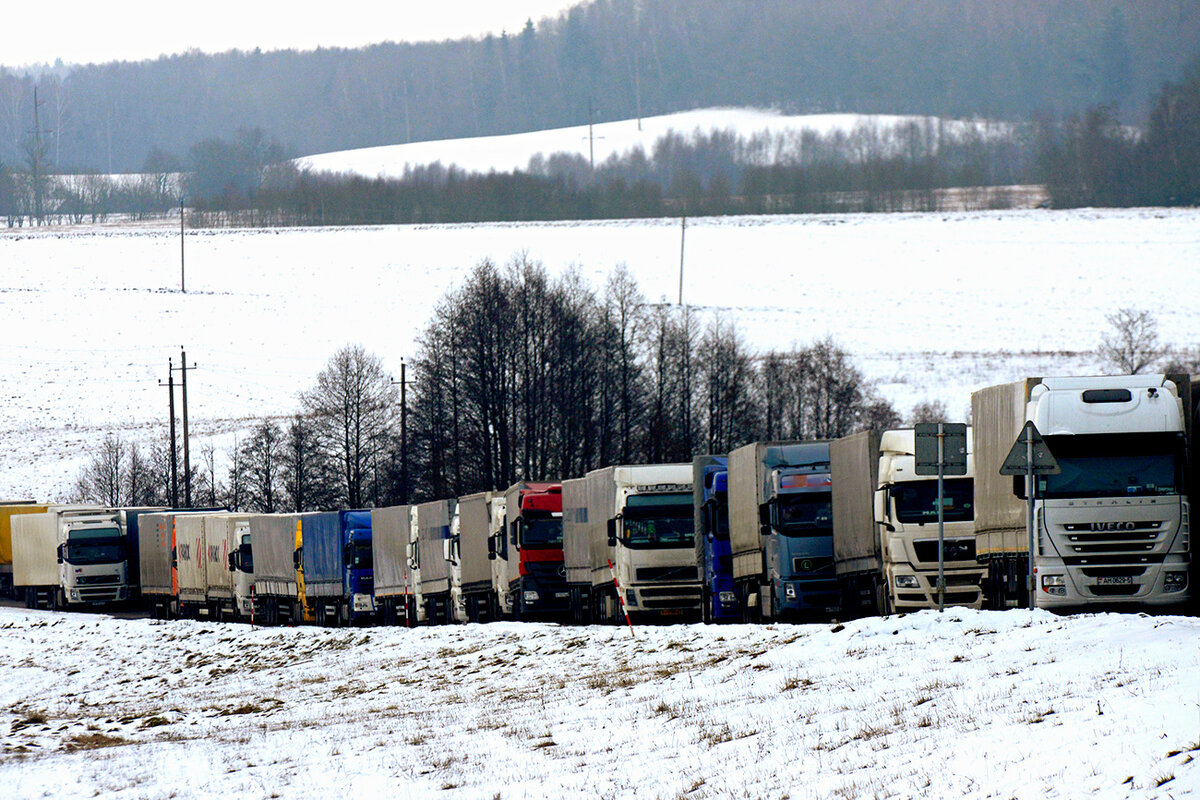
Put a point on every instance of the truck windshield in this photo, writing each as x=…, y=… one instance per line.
x=245, y=559
x=916, y=501
x=717, y=512
x=659, y=527
x=358, y=556
x=96, y=546
x=542, y=532
x=802, y=514
x=1114, y=466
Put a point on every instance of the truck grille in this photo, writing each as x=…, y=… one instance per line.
x=667, y=574
x=98, y=595
x=953, y=550
x=961, y=579
x=1139, y=537
x=673, y=591
x=92, y=580
x=806, y=565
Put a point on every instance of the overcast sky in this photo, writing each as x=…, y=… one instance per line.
x=83, y=32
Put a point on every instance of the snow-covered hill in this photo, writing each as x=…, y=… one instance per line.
x=964, y=704
x=506, y=153
x=932, y=306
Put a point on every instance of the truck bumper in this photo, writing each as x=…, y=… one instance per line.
x=793, y=597
x=962, y=587
x=1072, y=588
x=659, y=600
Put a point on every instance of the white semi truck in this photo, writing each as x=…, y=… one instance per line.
x=640, y=519
x=885, y=532
x=1111, y=529
x=70, y=556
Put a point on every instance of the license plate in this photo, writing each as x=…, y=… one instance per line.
x=671, y=611
x=562, y=594
x=1114, y=580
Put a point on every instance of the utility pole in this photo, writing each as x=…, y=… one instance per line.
x=182, y=282
x=187, y=463
x=403, y=383
x=170, y=384
x=35, y=166
x=682, y=235
x=591, y=137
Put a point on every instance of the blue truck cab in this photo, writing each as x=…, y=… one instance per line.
x=338, y=570
x=719, y=600
x=799, y=547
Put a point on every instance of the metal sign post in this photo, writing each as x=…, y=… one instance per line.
x=1030, y=456
x=941, y=449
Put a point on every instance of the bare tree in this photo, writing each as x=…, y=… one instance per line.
x=929, y=411
x=1132, y=343
x=263, y=456
x=352, y=407
x=235, y=487
x=100, y=480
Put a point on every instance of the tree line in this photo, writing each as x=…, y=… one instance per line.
x=519, y=375
x=918, y=165
x=616, y=59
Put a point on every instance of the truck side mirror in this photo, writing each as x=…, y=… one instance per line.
x=60, y=550
x=1019, y=486
x=612, y=533
x=232, y=561
x=296, y=557
x=764, y=515
x=491, y=548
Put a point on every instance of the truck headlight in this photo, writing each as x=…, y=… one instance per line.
x=1175, y=582
x=1055, y=585
x=727, y=598
x=907, y=582
x=530, y=596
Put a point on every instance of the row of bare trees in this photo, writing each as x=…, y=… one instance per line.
x=519, y=375
x=524, y=376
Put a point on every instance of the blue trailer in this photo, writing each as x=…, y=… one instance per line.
x=710, y=496
x=335, y=574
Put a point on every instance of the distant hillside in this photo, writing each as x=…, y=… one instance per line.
x=621, y=59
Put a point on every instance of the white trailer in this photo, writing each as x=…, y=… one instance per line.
x=392, y=554
x=70, y=555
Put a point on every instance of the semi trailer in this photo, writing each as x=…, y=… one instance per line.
x=885, y=534
x=393, y=532
x=436, y=570
x=335, y=567
x=781, y=530
x=1111, y=526
x=528, y=573
x=710, y=499
x=8, y=510
x=70, y=556
x=640, y=523
x=476, y=515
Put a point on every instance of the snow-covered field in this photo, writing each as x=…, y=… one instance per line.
x=932, y=305
x=966, y=704
x=608, y=139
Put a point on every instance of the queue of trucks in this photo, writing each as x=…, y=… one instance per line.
x=775, y=530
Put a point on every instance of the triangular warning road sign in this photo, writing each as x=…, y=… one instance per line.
x=1017, y=462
